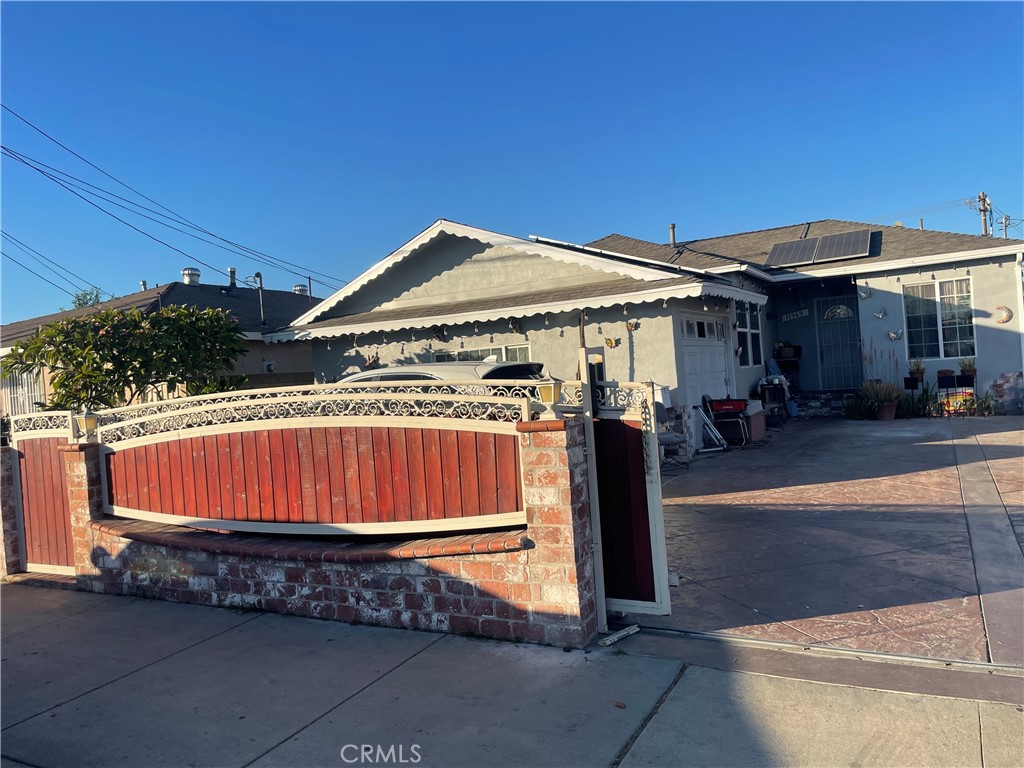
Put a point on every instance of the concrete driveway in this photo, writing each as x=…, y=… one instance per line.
x=903, y=537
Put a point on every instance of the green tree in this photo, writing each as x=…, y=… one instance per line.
x=89, y=297
x=116, y=357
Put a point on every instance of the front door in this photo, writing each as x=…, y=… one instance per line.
x=838, y=331
x=706, y=359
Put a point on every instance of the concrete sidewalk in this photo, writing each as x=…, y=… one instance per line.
x=110, y=681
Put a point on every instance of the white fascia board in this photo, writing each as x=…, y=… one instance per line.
x=747, y=268
x=496, y=239
x=893, y=266
x=253, y=336
x=695, y=290
x=614, y=254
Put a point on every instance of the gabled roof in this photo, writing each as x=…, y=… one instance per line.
x=887, y=244
x=280, y=307
x=621, y=264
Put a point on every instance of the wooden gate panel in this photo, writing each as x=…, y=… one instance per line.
x=45, y=504
x=622, y=485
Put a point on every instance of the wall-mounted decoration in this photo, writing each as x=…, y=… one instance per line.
x=1005, y=315
x=632, y=325
x=880, y=313
x=864, y=293
x=611, y=343
x=513, y=325
x=838, y=312
x=371, y=361
x=896, y=335
x=738, y=351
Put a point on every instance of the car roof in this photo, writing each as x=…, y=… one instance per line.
x=449, y=370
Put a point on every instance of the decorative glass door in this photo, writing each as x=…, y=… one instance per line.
x=839, y=364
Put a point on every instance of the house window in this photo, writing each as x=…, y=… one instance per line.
x=748, y=333
x=519, y=353
x=941, y=325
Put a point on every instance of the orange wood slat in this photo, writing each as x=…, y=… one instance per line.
x=336, y=472
x=353, y=482
x=417, y=474
x=291, y=468
x=468, y=476
x=265, y=476
x=367, y=476
x=188, y=479
x=239, y=505
x=224, y=481
x=450, y=480
x=250, y=460
x=434, y=478
x=382, y=468
x=321, y=474
x=400, y=473
x=153, y=473
x=279, y=474
x=307, y=476
x=507, y=465
x=487, y=473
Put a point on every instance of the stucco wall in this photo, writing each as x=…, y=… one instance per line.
x=291, y=357
x=994, y=283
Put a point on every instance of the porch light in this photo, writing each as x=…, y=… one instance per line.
x=86, y=421
x=549, y=392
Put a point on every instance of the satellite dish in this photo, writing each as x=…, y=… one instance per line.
x=897, y=224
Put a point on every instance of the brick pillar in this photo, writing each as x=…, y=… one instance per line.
x=556, y=497
x=10, y=511
x=85, y=503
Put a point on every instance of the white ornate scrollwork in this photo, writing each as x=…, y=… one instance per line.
x=322, y=405
x=619, y=396
x=42, y=420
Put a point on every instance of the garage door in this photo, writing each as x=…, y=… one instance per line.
x=705, y=358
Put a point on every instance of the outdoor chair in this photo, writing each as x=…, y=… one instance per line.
x=669, y=438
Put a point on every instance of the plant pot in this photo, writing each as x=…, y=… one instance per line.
x=919, y=375
x=886, y=412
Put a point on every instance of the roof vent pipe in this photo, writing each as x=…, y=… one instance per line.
x=190, y=275
x=259, y=282
x=300, y=289
x=672, y=235
x=142, y=285
x=231, y=276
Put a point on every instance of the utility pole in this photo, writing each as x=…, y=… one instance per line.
x=984, y=208
x=1005, y=221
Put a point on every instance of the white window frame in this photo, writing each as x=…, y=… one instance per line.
x=745, y=334
x=452, y=355
x=937, y=303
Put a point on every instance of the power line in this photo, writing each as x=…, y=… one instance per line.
x=33, y=253
x=177, y=216
x=30, y=163
x=45, y=280
x=128, y=224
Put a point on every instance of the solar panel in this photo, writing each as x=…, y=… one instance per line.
x=845, y=245
x=791, y=253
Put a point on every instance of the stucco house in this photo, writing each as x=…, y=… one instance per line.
x=263, y=366
x=696, y=317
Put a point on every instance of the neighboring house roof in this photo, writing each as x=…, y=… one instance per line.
x=888, y=244
x=280, y=307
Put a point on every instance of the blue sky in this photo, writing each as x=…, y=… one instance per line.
x=328, y=134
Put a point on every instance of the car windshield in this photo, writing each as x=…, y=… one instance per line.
x=520, y=371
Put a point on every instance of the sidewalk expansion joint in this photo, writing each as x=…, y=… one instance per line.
x=650, y=716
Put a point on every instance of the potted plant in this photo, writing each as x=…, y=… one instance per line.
x=967, y=365
x=917, y=368
x=883, y=397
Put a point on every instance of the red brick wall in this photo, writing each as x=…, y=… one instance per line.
x=543, y=594
x=10, y=503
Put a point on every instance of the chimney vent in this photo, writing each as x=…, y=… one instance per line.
x=300, y=289
x=672, y=235
x=142, y=285
x=231, y=276
x=190, y=275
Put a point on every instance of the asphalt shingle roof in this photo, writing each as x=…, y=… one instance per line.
x=887, y=244
x=280, y=307
x=511, y=302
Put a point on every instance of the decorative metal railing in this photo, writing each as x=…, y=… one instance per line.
x=348, y=404
x=48, y=421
